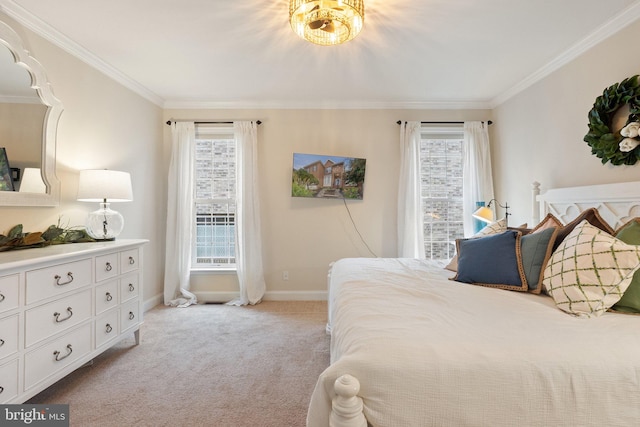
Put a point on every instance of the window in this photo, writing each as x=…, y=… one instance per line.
x=215, y=192
x=441, y=188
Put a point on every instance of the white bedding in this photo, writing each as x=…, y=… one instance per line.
x=429, y=351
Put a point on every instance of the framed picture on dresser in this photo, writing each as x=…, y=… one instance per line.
x=6, y=181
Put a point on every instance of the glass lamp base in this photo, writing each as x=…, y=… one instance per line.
x=105, y=223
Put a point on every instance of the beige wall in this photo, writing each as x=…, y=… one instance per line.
x=303, y=236
x=538, y=134
x=104, y=125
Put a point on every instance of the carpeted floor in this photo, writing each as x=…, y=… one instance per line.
x=205, y=365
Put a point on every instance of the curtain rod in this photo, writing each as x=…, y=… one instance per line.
x=443, y=123
x=208, y=123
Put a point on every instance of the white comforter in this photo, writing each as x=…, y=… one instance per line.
x=429, y=351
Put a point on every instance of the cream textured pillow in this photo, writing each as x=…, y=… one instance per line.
x=590, y=271
x=493, y=228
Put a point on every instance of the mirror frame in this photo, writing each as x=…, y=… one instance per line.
x=39, y=82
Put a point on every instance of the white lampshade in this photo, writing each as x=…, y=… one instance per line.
x=96, y=185
x=32, y=182
x=484, y=214
x=104, y=186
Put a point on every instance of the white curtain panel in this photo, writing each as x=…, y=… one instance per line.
x=248, y=231
x=180, y=216
x=477, y=178
x=410, y=215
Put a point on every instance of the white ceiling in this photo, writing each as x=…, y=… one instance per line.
x=243, y=53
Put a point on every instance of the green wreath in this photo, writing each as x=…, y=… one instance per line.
x=620, y=147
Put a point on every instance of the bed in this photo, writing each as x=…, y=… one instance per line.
x=411, y=347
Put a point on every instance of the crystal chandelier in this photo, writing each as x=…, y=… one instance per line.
x=326, y=22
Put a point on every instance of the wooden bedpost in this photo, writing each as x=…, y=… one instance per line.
x=346, y=408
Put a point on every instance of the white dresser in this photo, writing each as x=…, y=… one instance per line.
x=61, y=306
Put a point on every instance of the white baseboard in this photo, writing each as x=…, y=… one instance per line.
x=222, y=297
x=295, y=296
x=213, y=297
x=152, y=302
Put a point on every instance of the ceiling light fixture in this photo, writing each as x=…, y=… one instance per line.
x=326, y=22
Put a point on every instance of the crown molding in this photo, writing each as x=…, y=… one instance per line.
x=38, y=26
x=606, y=30
x=326, y=105
x=33, y=23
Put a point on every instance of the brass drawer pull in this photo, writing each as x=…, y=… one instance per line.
x=131, y=260
x=131, y=287
x=70, y=279
x=131, y=315
x=108, y=328
x=57, y=353
x=57, y=315
x=2, y=297
x=108, y=267
x=109, y=296
x=1, y=342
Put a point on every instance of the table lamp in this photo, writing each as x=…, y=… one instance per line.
x=485, y=213
x=32, y=182
x=104, y=186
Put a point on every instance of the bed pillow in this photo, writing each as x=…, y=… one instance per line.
x=493, y=228
x=590, y=270
x=549, y=221
x=630, y=301
x=536, y=250
x=493, y=261
x=592, y=216
x=522, y=228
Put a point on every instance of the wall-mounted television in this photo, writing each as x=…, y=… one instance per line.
x=327, y=177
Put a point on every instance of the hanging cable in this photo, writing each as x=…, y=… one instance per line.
x=356, y=228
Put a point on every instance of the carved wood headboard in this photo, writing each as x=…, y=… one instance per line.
x=616, y=203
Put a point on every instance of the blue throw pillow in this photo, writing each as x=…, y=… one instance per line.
x=494, y=261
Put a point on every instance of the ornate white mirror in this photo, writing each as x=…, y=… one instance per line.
x=29, y=114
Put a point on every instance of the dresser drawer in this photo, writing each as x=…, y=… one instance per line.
x=129, y=287
x=8, y=336
x=47, y=360
x=129, y=315
x=9, y=292
x=106, y=296
x=8, y=381
x=107, y=327
x=56, y=316
x=129, y=260
x=56, y=280
x=107, y=266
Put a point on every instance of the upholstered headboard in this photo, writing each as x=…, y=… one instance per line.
x=616, y=203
